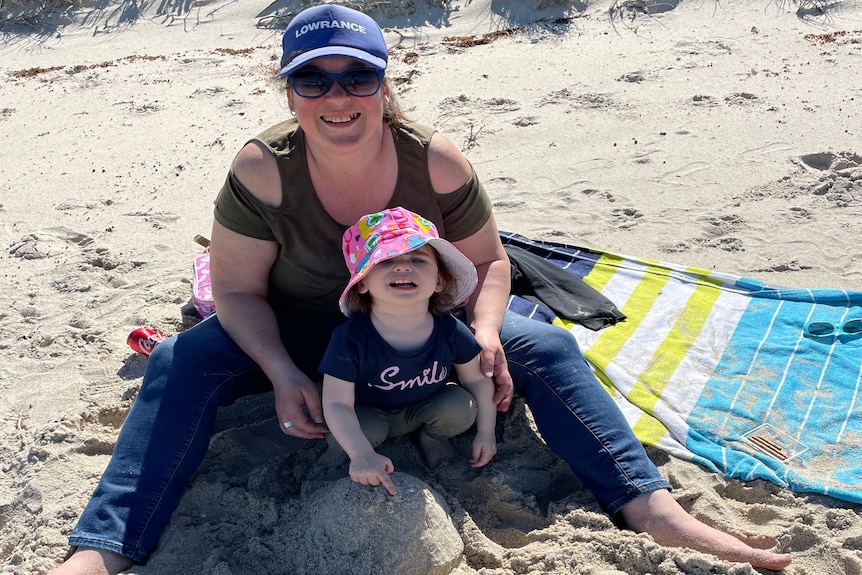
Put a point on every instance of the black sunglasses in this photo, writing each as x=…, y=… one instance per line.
x=359, y=82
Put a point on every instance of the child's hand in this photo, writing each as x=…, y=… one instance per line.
x=484, y=448
x=373, y=469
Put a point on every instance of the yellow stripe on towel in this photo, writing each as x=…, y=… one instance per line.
x=641, y=300
x=602, y=272
x=670, y=353
x=604, y=350
x=667, y=359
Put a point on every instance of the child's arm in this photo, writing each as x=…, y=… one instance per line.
x=482, y=389
x=366, y=465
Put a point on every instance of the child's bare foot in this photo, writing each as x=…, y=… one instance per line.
x=658, y=514
x=93, y=562
x=436, y=451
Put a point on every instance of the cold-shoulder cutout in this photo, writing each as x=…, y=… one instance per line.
x=257, y=170
x=448, y=168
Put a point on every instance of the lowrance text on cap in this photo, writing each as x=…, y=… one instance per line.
x=321, y=24
x=332, y=30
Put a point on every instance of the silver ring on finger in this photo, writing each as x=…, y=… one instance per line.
x=287, y=425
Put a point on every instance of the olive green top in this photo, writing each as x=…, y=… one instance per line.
x=309, y=273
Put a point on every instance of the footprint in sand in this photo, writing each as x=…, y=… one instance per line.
x=599, y=194
x=626, y=217
x=753, y=494
x=702, y=47
x=526, y=121
x=577, y=100
x=741, y=99
x=703, y=100
x=51, y=242
x=213, y=91
x=48, y=242
x=841, y=519
x=678, y=247
x=96, y=429
x=235, y=103
x=144, y=108
x=797, y=213
x=721, y=225
x=632, y=77
x=499, y=105
x=464, y=105
x=157, y=219
x=791, y=266
x=504, y=193
x=208, y=92
x=801, y=537
x=729, y=244
x=466, y=116
x=508, y=205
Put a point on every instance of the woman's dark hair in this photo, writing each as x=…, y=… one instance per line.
x=393, y=115
x=440, y=301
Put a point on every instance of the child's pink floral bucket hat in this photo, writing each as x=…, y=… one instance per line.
x=390, y=233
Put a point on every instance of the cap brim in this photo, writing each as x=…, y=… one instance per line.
x=325, y=51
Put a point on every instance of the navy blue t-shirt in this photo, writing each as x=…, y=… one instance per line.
x=388, y=378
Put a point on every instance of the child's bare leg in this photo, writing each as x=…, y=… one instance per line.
x=93, y=562
x=658, y=514
x=436, y=451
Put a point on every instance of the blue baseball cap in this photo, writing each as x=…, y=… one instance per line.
x=332, y=30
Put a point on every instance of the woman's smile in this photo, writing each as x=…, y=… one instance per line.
x=339, y=119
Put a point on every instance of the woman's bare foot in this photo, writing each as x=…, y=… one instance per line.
x=87, y=561
x=436, y=451
x=658, y=514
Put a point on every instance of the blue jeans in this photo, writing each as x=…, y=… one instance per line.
x=167, y=431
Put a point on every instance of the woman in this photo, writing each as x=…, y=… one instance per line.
x=277, y=273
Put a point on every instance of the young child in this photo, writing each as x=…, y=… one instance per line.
x=388, y=368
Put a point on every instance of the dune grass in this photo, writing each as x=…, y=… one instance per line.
x=34, y=12
x=23, y=12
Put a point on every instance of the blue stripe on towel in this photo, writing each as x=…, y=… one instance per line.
x=760, y=374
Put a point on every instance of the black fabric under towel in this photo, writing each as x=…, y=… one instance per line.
x=542, y=282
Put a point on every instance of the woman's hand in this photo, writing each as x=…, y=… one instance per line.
x=297, y=403
x=492, y=361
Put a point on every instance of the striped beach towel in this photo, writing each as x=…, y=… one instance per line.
x=717, y=369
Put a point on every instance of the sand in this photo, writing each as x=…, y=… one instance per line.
x=719, y=135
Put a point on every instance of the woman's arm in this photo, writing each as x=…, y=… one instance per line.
x=449, y=169
x=240, y=267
